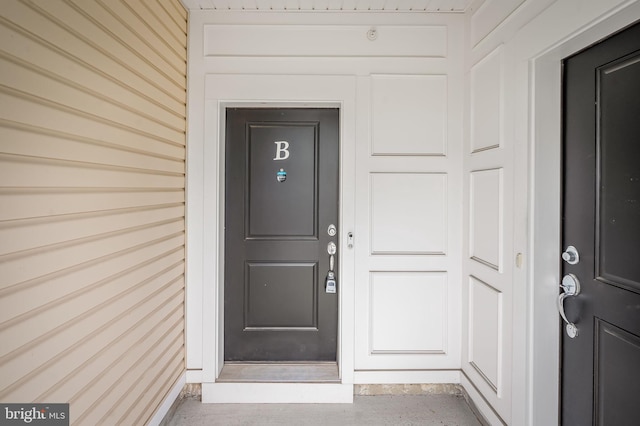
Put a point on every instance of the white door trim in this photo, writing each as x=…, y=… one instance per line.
x=225, y=90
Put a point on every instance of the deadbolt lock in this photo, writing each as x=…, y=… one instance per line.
x=571, y=255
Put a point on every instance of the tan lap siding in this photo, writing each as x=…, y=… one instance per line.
x=92, y=150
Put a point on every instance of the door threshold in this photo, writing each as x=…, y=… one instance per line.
x=322, y=372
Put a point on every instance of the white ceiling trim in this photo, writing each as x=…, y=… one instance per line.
x=433, y=6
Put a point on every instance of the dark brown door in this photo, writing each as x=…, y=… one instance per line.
x=601, y=219
x=281, y=198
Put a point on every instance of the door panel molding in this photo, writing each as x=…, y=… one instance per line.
x=256, y=187
x=254, y=289
x=608, y=369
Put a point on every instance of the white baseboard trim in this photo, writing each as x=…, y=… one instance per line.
x=168, y=401
x=194, y=376
x=406, y=377
x=277, y=393
x=486, y=411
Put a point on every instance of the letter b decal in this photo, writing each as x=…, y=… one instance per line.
x=282, y=150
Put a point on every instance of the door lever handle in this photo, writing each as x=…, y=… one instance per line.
x=330, y=283
x=331, y=249
x=571, y=287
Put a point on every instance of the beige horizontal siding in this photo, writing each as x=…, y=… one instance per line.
x=24, y=109
x=92, y=150
x=24, y=18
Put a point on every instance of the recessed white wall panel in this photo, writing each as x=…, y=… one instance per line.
x=486, y=102
x=325, y=41
x=409, y=115
x=486, y=217
x=485, y=324
x=408, y=213
x=408, y=312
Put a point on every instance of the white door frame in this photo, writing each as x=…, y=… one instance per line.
x=545, y=168
x=241, y=90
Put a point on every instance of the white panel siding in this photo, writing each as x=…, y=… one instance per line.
x=92, y=150
x=489, y=239
x=486, y=225
x=486, y=102
x=401, y=195
x=319, y=40
x=485, y=331
x=408, y=216
x=408, y=312
x=408, y=213
x=524, y=42
x=409, y=115
x=488, y=266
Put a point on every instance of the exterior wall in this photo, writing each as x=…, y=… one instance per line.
x=511, y=168
x=489, y=178
x=512, y=151
x=92, y=153
x=401, y=97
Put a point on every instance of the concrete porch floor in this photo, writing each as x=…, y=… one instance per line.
x=439, y=409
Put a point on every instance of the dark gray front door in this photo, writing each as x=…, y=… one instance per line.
x=601, y=365
x=281, y=197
